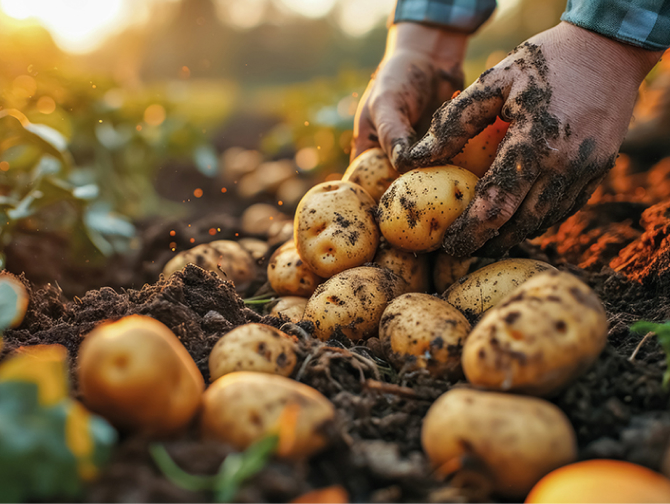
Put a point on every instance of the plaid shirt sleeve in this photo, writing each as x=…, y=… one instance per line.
x=644, y=23
x=461, y=15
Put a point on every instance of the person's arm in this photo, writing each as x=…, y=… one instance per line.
x=421, y=68
x=569, y=94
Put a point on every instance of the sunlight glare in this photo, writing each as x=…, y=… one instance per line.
x=76, y=25
x=358, y=17
x=310, y=8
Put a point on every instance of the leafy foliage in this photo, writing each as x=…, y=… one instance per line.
x=662, y=332
x=234, y=471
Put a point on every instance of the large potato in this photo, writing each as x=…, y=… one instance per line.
x=448, y=269
x=421, y=331
x=289, y=275
x=335, y=227
x=418, y=207
x=352, y=302
x=253, y=347
x=372, y=171
x=137, y=374
x=480, y=290
x=413, y=268
x=539, y=338
x=243, y=407
x=519, y=439
x=290, y=307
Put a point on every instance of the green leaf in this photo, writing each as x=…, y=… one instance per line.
x=49, y=135
x=8, y=304
x=662, y=331
x=206, y=160
x=176, y=475
x=105, y=222
x=86, y=192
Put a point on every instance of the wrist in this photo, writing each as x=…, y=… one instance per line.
x=444, y=46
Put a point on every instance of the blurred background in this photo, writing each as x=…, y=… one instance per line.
x=129, y=127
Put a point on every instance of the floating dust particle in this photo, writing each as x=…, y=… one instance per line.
x=198, y=193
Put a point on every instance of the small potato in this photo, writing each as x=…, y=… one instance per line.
x=289, y=275
x=137, y=374
x=258, y=218
x=519, y=439
x=372, y=171
x=290, y=307
x=601, y=481
x=421, y=331
x=243, y=407
x=539, y=338
x=200, y=255
x=478, y=154
x=14, y=292
x=253, y=347
x=418, y=207
x=352, y=302
x=413, y=268
x=335, y=228
x=480, y=290
x=257, y=249
x=448, y=269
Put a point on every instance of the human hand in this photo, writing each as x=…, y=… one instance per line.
x=569, y=95
x=420, y=69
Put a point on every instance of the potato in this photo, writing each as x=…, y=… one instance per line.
x=290, y=307
x=243, y=407
x=478, y=154
x=540, y=337
x=420, y=331
x=413, y=268
x=258, y=218
x=224, y=257
x=448, y=269
x=289, y=275
x=257, y=249
x=418, y=207
x=137, y=374
x=335, y=228
x=14, y=292
x=519, y=439
x=352, y=302
x=253, y=347
x=480, y=290
x=601, y=481
x=372, y=171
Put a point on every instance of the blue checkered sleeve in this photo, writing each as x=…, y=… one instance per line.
x=644, y=23
x=461, y=15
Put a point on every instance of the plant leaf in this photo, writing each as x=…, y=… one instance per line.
x=206, y=160
x=176, y=475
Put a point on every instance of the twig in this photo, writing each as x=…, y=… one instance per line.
x=390, y=388
x=639, y=345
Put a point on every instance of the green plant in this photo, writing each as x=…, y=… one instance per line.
x=662, y=331
x=234, y=471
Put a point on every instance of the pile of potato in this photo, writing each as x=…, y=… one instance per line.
x=362, y=263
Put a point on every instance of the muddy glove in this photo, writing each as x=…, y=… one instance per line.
x=569, y=94
x=421, y=68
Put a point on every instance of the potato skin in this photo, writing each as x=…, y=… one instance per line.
x=373, y=171
x=413, y=268
x=138, y=375
x=352, y=302
x=484, y=288
x=253, y=347
x=243, y=407
x=519, y=439
x=539, y=338
x=420, y=331
x=289, y=275
x=290, y=307
x=418, y=207
x=335, y=228
x=448, y=270
x=478, y=154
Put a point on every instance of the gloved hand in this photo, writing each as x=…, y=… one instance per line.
x=421, y=68
x=569, y=94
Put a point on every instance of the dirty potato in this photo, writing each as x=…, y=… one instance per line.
x=539, y=338
x=352, y=302
x=480, y=290
x=335, y=228
x=257, y=249
x=243, y=407
x=478, y=154
x=253, y=347
x=418, y=207
x=518, y=439
x=372, y=171
x=420, y=331
x=413, y=268
x=448, y=269
x=236, y=263
x=138, y=375
x=290, y=307
x=289, y=275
